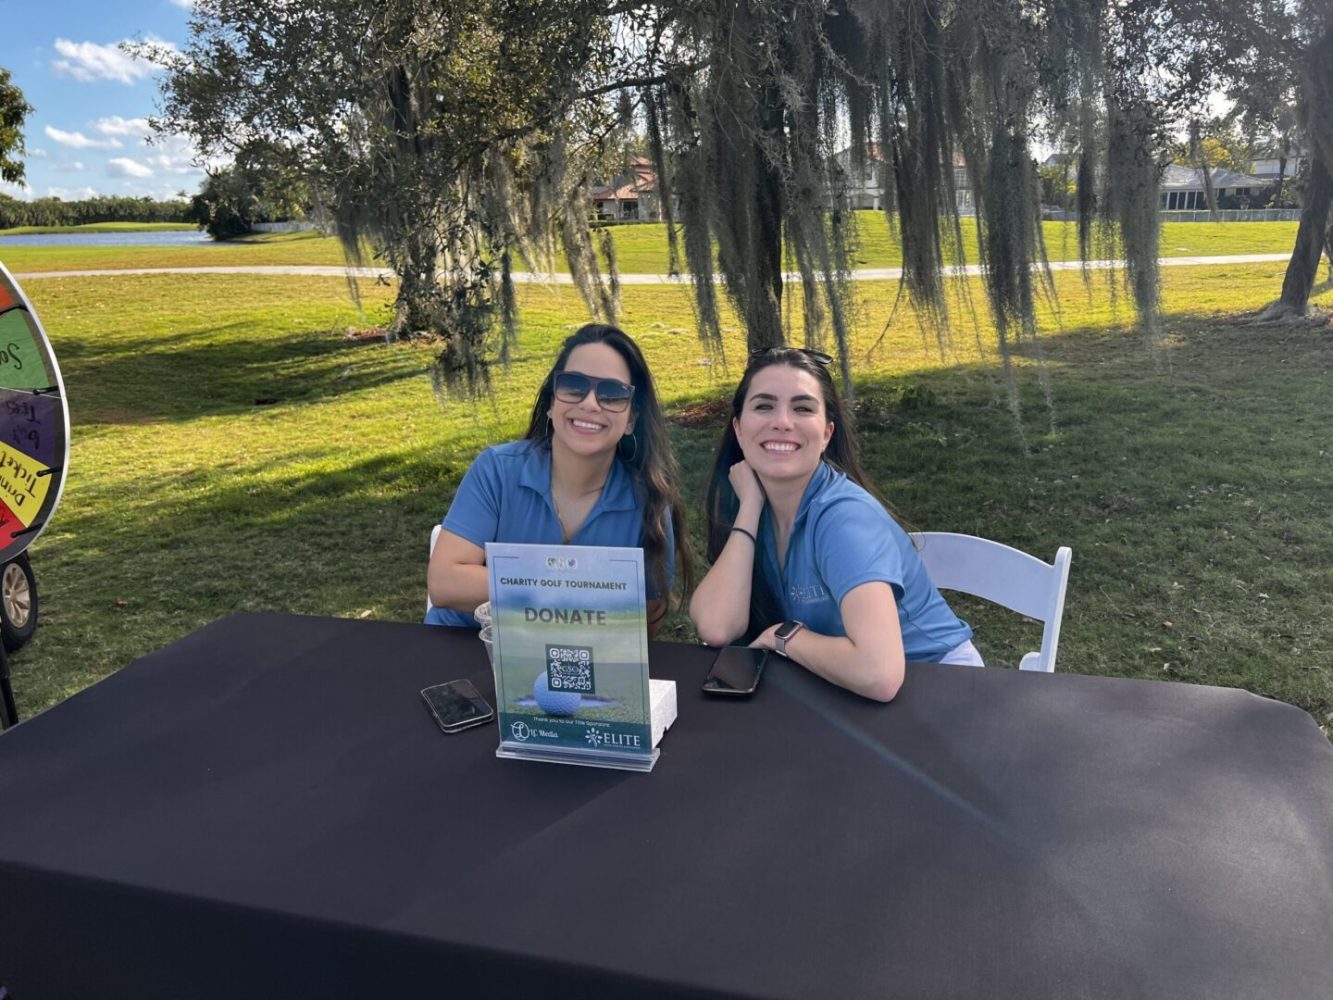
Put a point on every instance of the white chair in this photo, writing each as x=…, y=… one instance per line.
x=434, y=537
x=1003, y=575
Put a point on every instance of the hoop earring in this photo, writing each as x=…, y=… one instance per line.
x=634, y=439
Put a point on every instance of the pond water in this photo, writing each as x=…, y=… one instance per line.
x=150, y=238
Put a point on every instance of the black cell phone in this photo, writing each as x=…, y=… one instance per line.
x=457, y=705
x=736, y=671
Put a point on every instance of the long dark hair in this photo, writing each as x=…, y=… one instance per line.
x=722, y=504
x=646, y=450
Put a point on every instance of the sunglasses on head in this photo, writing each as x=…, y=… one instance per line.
x=819, y=357
x=612, y=394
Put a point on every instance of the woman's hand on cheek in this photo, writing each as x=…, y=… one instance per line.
x=746, y=484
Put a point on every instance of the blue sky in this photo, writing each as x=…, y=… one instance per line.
x=87, y=133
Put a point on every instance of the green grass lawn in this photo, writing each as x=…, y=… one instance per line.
x=234, y=449
x=640, y=249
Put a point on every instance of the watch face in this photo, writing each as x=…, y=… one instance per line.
x=786, y=630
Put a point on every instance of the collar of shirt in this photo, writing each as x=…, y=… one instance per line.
x=617, y=494
x=818, y=480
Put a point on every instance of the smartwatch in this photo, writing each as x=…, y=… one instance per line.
x=784, y=635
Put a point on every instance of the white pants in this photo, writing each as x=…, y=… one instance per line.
x=964, y=654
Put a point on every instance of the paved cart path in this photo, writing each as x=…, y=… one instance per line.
x=868, y=274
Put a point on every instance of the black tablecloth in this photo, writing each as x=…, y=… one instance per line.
x=265, y=809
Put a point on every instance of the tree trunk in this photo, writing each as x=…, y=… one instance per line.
x=766, y=327
x=1209, y=191
x=1328, y=247
x=748, y=182
x=415, y=309
x=1304, y=265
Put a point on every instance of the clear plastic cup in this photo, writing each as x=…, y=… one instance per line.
x=487, y=636
x=483, y=613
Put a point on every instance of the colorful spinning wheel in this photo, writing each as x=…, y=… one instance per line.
x=34, y=452
x=34, y=423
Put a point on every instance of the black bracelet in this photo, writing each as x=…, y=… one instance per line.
x=748, y=534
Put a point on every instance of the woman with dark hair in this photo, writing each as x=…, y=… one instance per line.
x=595, y=468
x=806, y=560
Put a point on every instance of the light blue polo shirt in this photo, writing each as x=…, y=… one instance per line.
x=843, y=537
x=506, y=497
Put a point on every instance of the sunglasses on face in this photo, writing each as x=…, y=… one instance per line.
x=612, y=394
x=819, y=357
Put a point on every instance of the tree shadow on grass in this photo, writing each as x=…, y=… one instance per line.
x=199, y=544
x=218, y=371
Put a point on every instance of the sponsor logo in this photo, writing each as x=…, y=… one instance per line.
x=808, y=594
x=607, y=740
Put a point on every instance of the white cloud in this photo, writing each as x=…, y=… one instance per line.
x=168, y=192
x=173, y=154
x=123, y=166
x=70, y=194
x=187, y=4
x=174, y=166
x=69, y=166
x=77, y=140
x=20, y=191
x=88, y=61
x=37, y=154
x=116, y=125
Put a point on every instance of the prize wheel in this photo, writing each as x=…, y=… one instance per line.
x=34, y=452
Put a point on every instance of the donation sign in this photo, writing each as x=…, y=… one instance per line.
x=571, y=654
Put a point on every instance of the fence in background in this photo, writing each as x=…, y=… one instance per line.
x=284, y=227
x=1236, y=215
x=1223, y=215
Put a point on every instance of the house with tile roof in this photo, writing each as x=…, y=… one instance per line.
x=629, y=197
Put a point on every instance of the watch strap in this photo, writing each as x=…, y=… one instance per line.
x=784, y=634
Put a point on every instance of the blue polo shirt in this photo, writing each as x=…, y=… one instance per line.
x=506, y=497
x=843, y=537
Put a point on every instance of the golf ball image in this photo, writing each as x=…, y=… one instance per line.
x=555, y=702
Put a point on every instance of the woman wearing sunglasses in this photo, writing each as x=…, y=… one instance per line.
x=595, y=468
x=806, y=561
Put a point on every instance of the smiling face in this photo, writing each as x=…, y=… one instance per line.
x=584, y=428
x=783, y=428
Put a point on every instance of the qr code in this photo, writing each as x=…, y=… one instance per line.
x=569, y=668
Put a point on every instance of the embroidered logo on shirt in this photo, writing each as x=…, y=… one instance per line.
x=808, y=594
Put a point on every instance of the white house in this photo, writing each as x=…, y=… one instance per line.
x=864, y=189
x=1182, y=187
x=1269, y=166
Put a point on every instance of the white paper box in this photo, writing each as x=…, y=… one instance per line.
x=663, y=697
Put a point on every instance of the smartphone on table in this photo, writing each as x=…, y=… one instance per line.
x=457, y=705
x=736, y=671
